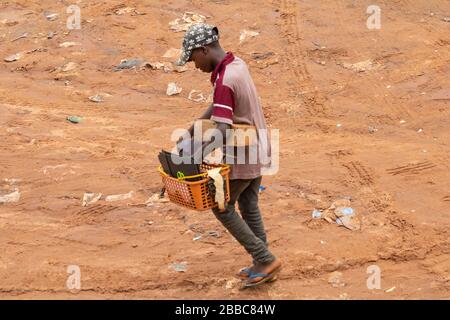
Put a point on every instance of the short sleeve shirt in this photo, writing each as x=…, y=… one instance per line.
x=236, y=101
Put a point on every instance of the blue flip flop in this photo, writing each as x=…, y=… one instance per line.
x=266, y=277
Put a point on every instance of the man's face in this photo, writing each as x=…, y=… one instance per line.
x=200, y=57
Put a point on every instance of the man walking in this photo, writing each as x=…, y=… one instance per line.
x=235, y=102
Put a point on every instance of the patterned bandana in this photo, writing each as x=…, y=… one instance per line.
x=197, y=36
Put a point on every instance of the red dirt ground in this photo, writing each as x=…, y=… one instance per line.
x=398, y=174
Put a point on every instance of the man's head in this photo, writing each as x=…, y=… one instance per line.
x=200, y=43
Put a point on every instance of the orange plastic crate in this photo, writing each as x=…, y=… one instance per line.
x=195, y=194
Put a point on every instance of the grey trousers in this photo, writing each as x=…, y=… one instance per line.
x=248, y=230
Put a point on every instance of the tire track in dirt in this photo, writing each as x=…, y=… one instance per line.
x=92, y=214
x=359, y=174
x=295, y=57
x=411, y=168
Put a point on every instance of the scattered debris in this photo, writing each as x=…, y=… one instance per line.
x=317, y=214
x=51, y=16
x=232, y=284
x=197, y=237
x=97, y=98
x=348, y=218
x=390, y=290
x=74, y=119
x=69, y=44
x=172, y=53
x=23, y=35
x=245, y=34
x=89, y=198
x=335, y=279
x=179, y=267
x=341, y=213
x=128, y=64
x=372, y=130
x=188, y=19
x=156, y=198
x=172, y=89
x=51, y=34
x=196, y=96
x=446, y=19
x=359, y=66
x=338, y=125
x=125, y=10
x=420, y=130
x=10, y=197
x=68, y=67
x=156, y=66
x=213, y=233
x=14, y=57
x=402, y=121
x=120, y=197
x=261, y=188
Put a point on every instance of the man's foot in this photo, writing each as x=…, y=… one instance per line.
x=263, y=274
x=245, y=273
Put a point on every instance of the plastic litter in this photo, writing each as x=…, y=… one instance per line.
x=97, y=98
x=69, y=44
x=246, y=34
x=89, y=198
x=172, y=89
x=188, y=19
x=179, y=267
x=119, y=197
x=68, y=67
x=261, y=188
x=128, y=64
x=14, y=57
x=50, y=16
x=74, y=119
x=316, y=214
x=10, y=197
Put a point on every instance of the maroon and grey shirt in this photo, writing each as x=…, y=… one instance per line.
x=236, y=101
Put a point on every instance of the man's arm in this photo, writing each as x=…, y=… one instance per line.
x=206, y=115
